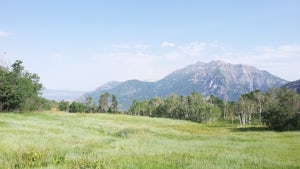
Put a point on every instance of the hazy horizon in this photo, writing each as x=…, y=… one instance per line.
x=82, y=45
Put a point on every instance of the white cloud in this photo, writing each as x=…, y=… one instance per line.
x=166, y=44
x=131, y=46
x=194, y=48
x=123, y=66
x=173, y=56
x=58, y=57
x=281, y=52
x=124, y=58
x=289, y=48
x=2, y=33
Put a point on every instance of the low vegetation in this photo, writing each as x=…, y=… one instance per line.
x=65, y=140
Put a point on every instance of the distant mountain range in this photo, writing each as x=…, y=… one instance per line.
x=59, y=95
x=221, y=79
x=295, y=85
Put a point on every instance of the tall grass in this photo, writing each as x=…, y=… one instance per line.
x=61, y=140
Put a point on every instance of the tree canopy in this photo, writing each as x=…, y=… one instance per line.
x=19, y=89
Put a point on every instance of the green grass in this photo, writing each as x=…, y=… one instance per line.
x=62, y=140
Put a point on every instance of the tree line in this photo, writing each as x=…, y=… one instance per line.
x=278, y=109
x=194, y=107
x=104, y=105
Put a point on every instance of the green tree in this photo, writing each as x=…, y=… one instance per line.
x=103, y=103
x=114, y=104
x=219, y=106
x=153, y=104
x=138, y=108
x=77, y=107
x=89, y=105
x=19, y=89
x=282, y=109
x=197, y=107
x=171, y=103
x=63, y=106
x=249, y=107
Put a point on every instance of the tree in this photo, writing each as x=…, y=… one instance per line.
x=103, y=103
x=282, y=109
x=19, y=89
x=197, y=107
x=89, y=105
x=134, y=109
x=184, y=107
x=114, y=104
x=63, y=106
x=260, y=99
x=171, y=103
x=217, y=107
x=138, y=108
x=153, y=104
x=77, y=107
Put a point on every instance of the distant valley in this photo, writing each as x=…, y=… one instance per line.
x=58, y=95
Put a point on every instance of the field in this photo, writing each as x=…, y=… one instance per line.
x=62, y=140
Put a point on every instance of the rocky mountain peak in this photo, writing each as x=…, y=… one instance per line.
x=219, y=78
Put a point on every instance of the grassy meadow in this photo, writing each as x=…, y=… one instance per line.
x=63, y=140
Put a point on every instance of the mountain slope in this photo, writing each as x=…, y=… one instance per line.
x=221, y=79
x=125, y=92
x=295, y=85
x=100, y=90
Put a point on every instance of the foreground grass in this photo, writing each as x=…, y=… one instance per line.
x=61, y=140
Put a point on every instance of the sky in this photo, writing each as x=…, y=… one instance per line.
x=81, y=45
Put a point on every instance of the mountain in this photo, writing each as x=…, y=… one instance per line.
x=126, y=92
x=221, y=79
x=100, y=90
x=59, y=95
x=295, y=85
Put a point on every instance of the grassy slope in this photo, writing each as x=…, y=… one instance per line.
x=60, y=140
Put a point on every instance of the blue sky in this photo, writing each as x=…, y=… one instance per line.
x=80, y=45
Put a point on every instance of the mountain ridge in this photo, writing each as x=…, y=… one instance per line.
x=294, y=85
x=219, y=78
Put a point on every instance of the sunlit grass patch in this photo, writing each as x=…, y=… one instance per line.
x=62, y=140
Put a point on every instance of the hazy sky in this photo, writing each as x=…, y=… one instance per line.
x=80, y=45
